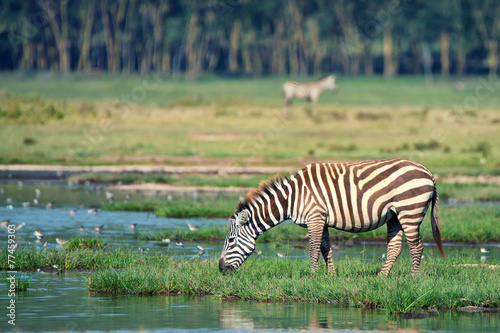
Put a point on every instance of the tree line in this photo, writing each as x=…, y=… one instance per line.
x=252, y=37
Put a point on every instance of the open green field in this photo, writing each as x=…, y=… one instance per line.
x=131, y=119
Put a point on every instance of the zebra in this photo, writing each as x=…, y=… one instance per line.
x=309, y=91
x=352, y=196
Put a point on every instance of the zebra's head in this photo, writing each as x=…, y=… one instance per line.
x=240, y=241
x=330, y=83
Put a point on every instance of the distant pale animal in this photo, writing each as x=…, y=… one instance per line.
x=132, y=226
x=307, y=90
x=181, y=244
x=72, y=212
x=199, y=254
x=92, y=210
x=82, y=229
x=50, y=205
x=484, y=250
x=201, y=247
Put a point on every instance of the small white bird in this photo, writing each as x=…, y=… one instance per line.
x=50, y=205
x=38, y=193
x=166, y=240
x=192, y=227
x=281, y=255
x=38, y=234
x=4, y=223
x=72, y=212
x=132, y=226
x=26, y=204
x=199, y=254
x=484, y=250
x=181, y=244
x=258, y=252
x=61, y=241
x=92, y=210
x=97, y=229
x=201, y=247
x=82, y=229
x=19, y=226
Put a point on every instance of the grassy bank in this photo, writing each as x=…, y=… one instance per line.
x=30, y=259
x=290, y=280
x=451, y=283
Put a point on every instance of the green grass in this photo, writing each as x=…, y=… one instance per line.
x=163, y=90
x=183, y=180
x=242, y=120
x=290, y=280
x=205, y=206
x=29, y=259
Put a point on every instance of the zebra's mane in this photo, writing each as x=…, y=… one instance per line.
x=324, y=77
x=265, y=187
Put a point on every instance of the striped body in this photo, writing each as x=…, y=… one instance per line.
x=353, y=197
x=309, y=91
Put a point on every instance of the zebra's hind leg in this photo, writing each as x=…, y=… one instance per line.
x=327, y=251
x=412, y=232
x=394, y=239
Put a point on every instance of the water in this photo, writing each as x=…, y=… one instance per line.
x=62, y=303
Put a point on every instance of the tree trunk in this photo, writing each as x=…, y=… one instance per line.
x=445, y=54
x=88, y=18
x=60, y=31
x=234, y=39
x=193, y=47
x=492, y=58
x=108, y=36
x=368, y=57
x=118, y=33
x=461, y=59
x=387, y=51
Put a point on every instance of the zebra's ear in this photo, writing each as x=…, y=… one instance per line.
x=243, y=217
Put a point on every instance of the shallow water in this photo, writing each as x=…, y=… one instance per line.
x=62, y=303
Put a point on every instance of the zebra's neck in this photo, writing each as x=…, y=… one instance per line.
x=271, y=204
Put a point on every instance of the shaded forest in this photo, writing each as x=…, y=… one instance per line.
x=243, y=37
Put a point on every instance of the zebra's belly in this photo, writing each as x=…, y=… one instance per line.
x=359, y=224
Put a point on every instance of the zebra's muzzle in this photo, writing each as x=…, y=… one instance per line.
x=223, y=268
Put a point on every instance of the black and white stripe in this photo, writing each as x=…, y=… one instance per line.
x=353, y=197
x=309, y=91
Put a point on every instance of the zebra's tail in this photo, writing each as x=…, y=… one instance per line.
x=436, y=229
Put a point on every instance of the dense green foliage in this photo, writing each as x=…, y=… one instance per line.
x=251, y=37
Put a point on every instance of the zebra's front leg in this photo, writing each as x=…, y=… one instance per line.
x=394, y=239
x=315, y=230
x=327, y=251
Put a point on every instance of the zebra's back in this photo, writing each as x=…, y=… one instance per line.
x=362, y=196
